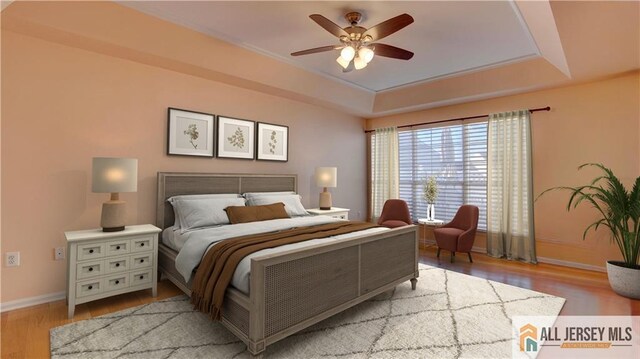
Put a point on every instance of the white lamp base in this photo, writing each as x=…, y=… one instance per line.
x=325, y=199
x=113, y=215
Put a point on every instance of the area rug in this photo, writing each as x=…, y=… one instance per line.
x=450, y=315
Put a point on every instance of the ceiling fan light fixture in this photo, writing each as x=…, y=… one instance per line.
x=366, y=54
x=357, y=46
x=344, y=63
x=348, y=53
x=359, y=63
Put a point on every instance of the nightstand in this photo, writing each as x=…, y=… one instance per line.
x=335, y=212
x=102, y=264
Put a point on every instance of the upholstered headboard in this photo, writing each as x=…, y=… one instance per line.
x=181, y=183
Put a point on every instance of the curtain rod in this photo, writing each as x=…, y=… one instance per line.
x=461, y=119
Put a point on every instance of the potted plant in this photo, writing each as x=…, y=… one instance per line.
x=430, y=191
x=619, y=211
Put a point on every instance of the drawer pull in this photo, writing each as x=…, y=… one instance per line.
x=141, y=277
x=142, y=244
x=118, y=247
x=90, y=250
x=117, y=264
x=90, y=269
x=117, y=282
x=90, y=287
x=142, y=261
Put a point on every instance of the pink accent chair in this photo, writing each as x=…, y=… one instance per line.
x=395, y=213
x=459, y=234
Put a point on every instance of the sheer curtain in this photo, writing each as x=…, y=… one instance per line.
x=384, y=168
x=509, y=187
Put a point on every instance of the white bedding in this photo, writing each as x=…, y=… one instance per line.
x=192, y=245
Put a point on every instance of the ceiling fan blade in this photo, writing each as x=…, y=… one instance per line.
x=349, y=68
x=388, y=27
x=391, y=51
x=314, y=50
x=328, y=25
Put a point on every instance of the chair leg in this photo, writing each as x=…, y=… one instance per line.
x=438, y=254
x=453, y=256
x=470, y=259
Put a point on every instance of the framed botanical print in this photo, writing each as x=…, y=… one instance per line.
x=190, y=133
x=236, y=138
x=272, y=142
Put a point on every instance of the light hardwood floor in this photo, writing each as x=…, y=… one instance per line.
x=25, y=332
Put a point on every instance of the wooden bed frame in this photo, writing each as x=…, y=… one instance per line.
x=292, y=290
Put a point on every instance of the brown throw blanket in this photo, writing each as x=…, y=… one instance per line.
x=219, y=263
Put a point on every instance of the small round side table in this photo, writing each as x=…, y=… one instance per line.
x=434, y=223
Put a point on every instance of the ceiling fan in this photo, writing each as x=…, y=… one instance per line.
x=357, y=43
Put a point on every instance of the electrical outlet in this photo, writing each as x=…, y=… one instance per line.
x=12, y=259
x=58, y=253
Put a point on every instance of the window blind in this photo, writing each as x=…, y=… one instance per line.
x=456, y=155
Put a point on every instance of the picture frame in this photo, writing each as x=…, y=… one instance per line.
x=272, y=143
x=190, y=133
x=236, y=138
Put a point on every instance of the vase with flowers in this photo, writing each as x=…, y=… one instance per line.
x=430, y=193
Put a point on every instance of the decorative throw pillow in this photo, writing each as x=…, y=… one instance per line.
x=243, y=214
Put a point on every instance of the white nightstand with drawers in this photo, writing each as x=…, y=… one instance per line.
x=334, y=212
x=102, y=264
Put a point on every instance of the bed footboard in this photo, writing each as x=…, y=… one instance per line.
x=293, y=290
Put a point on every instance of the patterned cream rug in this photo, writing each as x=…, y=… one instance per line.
x=450, y=315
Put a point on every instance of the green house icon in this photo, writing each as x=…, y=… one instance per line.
x=531, y=345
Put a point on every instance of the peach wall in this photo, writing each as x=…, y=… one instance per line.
x=62, y=106
x=593, y=122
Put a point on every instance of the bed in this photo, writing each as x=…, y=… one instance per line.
x=322, y=279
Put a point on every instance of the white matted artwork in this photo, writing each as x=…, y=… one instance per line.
x=236, y=138
x=273, y=142
x=190, y=133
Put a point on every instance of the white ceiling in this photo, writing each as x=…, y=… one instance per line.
x=447, y=37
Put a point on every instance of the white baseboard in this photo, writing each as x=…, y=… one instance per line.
x=554, y=261
x=560, y=262
x=28, y=302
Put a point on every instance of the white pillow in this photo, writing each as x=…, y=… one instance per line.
x=292, y=203
x=172, y=200
x=250, y=195
x=204, y=212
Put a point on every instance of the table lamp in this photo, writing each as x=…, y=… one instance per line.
x=326, y=177
x=114, y=175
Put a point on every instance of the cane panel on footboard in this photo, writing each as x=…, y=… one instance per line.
x=385, y=261
x=290, y=297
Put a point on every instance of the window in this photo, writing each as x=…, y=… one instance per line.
x=457, y=156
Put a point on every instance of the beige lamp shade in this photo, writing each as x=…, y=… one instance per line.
x=327, y=176
x=113, y=175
